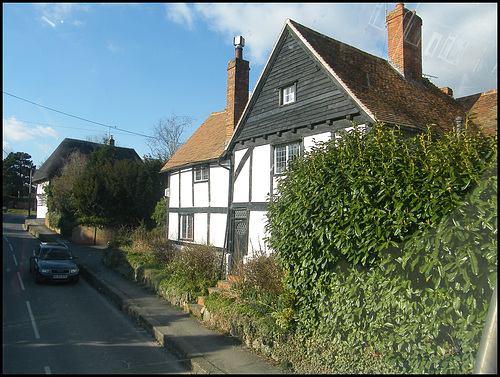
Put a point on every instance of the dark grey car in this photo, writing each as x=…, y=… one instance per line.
x=54, y=262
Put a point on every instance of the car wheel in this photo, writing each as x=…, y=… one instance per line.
x=76, y=279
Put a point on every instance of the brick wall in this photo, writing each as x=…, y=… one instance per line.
x=237, y=92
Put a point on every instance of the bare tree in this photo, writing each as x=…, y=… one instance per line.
x=166, y=139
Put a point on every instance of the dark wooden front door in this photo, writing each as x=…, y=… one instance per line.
x=240, y=235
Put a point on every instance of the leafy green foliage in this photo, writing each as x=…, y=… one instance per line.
x=160, y=212
x=16, y=174
x=60, y=199
x=116, y=192
x=390, y=242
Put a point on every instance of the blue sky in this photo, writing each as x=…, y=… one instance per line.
x=84, y=71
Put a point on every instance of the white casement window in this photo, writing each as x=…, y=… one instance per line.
x=201, y=173
x=186, y=227
x=288, y=94
x=283, y=154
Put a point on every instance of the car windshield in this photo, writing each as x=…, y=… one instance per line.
x=55, y=254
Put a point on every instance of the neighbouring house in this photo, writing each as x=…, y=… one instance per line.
x=52, y=166
x=311, y=89
x=482, y=107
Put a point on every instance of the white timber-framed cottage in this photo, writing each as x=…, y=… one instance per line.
x=198, y=176
x=311, y=89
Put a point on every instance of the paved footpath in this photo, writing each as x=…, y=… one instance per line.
x=206, y=351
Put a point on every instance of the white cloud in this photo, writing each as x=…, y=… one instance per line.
x=181, y=14
x=45, y=148
x=15, y=130
x=7, y=148
x=260, y=23
x=55, y=13
x=466, y=60
x=460, y=46
x=112, y=48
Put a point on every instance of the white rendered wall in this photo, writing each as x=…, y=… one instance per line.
x=256, y=232
x=173, y=226
x=219, y=185
x=173, y=200
x=241, y=187
x=41, y=203
x=201, y=194
x=261, y=174
x=218, y=223
x=186, y=188
x=310, y=141
x=200, y=228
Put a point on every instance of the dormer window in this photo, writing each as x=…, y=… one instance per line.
x=287, y=94
x=201, y=173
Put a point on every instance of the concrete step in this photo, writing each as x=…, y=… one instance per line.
x=194, y=309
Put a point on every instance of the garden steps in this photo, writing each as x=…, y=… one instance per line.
x=222, y=285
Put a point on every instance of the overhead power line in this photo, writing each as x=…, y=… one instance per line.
x=74, y=116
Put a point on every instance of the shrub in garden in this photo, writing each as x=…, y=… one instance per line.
x=382, y=204
x=262, y=272
x=153, y=244
x=194, y=269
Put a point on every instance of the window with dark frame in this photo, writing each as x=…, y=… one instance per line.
x=283, y=154
x=186, y=227
x=288, y=94
x=201, y=173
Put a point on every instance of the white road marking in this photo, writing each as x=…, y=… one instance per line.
x=47, y=370
x=15, y=260
x=11, y=249
x=33, y=323
x=20, y=280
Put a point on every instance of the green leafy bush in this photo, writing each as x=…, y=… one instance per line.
x=386, y=245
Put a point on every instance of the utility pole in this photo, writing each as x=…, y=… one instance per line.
x=29, y=190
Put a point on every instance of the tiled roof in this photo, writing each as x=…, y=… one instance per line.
x=51, y=167
x=205, y=144
x=380, y=88
x=483, y=108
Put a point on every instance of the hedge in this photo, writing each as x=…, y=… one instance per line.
x=389, y=243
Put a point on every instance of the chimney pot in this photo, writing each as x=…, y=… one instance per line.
x=239, y=42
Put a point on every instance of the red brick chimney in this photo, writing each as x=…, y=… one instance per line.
x=404, y=28
x=237, y=87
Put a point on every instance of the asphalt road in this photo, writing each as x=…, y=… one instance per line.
x=67, y=328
